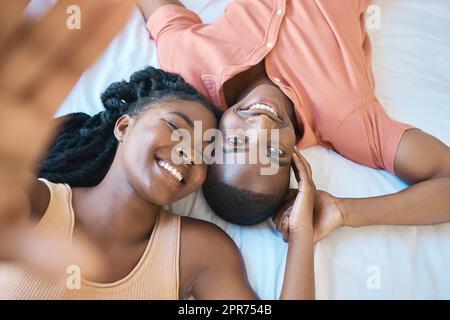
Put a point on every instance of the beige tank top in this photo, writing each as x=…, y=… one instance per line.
x=155, y=276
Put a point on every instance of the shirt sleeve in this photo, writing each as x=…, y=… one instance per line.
x=165, y=25
x=201, y=52
x=369, y=137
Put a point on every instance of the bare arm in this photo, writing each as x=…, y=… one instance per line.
x=211, y=266
x=217, y=271
x=31, y=89
x=423, y=161
x=296, y=223
x=147, y=7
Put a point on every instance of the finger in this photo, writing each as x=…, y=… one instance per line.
x=286, y=206
x=304, y=162
x=278, y=221
x=276, y=217
x=58, y=55
x=317, y=235
x=294, y=168
x=33, y=47
x=285, y=228
x=299, y=165
x=10, y=17
x=291, y=195
x=307, y=180
x=88, y=48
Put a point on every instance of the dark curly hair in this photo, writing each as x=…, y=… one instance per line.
x=84, y=150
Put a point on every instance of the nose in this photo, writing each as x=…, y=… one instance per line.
x=261, y=122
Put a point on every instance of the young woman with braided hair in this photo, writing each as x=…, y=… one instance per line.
x=107, y=177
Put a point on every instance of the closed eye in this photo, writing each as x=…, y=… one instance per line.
x=172, y=125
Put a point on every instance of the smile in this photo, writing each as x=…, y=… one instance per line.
x=173, y=171
x=261, y=108
x=264, y=107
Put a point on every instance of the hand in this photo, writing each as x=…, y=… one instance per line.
x=40, y=62
x=327, y=215
x=296, y=214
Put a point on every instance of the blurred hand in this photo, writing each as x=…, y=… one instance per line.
x=40, y=62
x=296, y=214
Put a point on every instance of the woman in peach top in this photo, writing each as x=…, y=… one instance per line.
x=302, y=68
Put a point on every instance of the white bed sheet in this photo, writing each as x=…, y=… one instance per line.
x=412, y=68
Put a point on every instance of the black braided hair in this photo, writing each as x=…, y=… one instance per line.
x=84, y=150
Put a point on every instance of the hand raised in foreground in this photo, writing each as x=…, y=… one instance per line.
x=40, y=62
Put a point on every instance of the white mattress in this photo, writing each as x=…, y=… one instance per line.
x=412, y=68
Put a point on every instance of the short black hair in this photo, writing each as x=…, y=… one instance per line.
x=84, y=150
x=239, y=206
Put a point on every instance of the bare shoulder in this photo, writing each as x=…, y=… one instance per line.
x=205, y=246
x=204, y=235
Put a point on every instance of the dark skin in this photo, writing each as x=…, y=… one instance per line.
x=261, y=89
x=421, y=160
x=131, y=200
x=135, y=189
x=211, y=266
x=251, y=86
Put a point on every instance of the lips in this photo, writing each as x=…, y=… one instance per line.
x=176, y=174
x=261, y=108
x=172, y=170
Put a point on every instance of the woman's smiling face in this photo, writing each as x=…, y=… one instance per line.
x=146, y=147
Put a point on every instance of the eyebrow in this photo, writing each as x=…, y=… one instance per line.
x=184, y=117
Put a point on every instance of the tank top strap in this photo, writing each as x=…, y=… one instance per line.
x=161, y=264
x=59, y=215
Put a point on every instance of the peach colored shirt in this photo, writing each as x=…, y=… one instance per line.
x=317, y=51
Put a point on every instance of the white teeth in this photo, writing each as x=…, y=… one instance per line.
x=260, y=106
x=177, y=174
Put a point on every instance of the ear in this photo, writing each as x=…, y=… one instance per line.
x=123, y=125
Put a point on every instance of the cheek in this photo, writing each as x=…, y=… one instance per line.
x=288, y=138
x=280, y=183
x=141, y=142
x=139, y=149
x=199, y=177
x=230, y=120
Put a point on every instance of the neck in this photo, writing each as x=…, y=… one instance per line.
x=113, y=211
